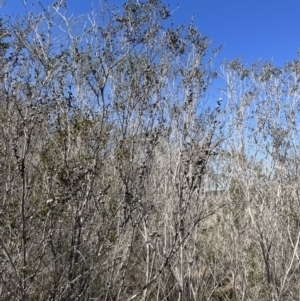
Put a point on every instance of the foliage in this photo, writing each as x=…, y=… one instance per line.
x=119, y=182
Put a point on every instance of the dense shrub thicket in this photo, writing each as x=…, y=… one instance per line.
x=120, y=180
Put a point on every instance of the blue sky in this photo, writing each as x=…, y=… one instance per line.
x=267, y=29
x=251, y=29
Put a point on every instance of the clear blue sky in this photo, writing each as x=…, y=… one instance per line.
x=266, y=29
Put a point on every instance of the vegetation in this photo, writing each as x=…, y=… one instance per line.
x=120, y=180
